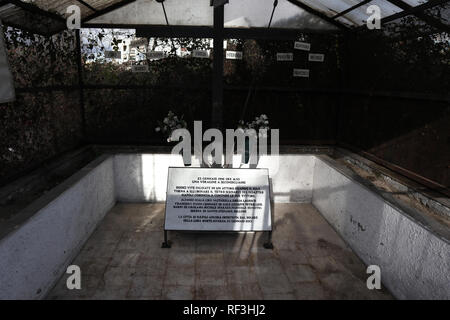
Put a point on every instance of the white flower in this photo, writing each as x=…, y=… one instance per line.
x=166, y=120
x=10, y=149
x=168, y=140
x=157, y=129
x=264, y=117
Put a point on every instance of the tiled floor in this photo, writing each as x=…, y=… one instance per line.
x=123, y=259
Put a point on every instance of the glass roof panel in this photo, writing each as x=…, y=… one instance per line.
x=256, y=13
x=238, y=13
x=355, y=17
x=386, y=7
x=329, y=7
x=359, y=15
x=186, y=12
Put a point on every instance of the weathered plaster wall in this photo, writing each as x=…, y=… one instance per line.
x=414, y=262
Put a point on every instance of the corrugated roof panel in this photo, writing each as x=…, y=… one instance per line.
x=15, y=16
x=102, y=4
x=59, y=6
x=186, y=12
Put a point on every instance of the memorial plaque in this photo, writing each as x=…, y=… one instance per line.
x=302, y=73
x=113, y=54
x=155, y=55
x=139, y=68
x=285, y=56
x=200, y=54
x=316, y=57
x=302, y=46
x=205, y=199
x=139, y=42
x=234, y=55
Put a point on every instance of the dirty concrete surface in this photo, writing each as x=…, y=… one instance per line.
x=123, y=259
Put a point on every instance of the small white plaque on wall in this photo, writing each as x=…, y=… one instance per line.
x=200, y=54
x=205, y=199
x=302, y=46
x=288, y=56
x=234, y=55
x=140, y=68
x=155, y=55
x=316, y=57
x=139, y=42
x=113, y=54
x=302, y=73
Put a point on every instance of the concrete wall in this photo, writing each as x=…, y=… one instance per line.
x=143, y=177
x=52, y=231
x=47, y=235
x=292, y=177
x=414, y=261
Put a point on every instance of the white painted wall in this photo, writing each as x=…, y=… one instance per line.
x=33, y=257
x=414, y=262
x=143, y=177
x=292, y=177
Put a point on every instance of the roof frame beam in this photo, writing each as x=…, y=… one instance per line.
x=273, y=34
x=356, y=6
x=319, y=14
x=208, y=32
x=87, y=5
x=35, y=9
